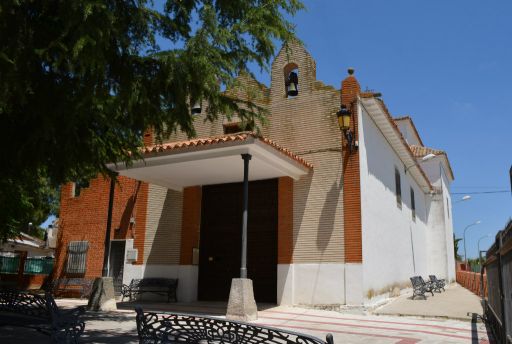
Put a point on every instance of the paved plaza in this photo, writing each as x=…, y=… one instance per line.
x=119, y=326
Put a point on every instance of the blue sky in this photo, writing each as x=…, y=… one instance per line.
x=448, y=64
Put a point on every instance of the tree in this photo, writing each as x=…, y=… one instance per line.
x=456, y=248
x=81, y=81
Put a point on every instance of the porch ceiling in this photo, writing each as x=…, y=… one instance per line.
x=213, y=161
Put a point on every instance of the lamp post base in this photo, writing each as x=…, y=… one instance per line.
x=241, y=305
x=102, y=296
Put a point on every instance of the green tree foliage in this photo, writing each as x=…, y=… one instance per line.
x=80, y=81
x=456, y=248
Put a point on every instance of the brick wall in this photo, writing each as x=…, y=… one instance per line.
x=163, y=226
x=307, y=125
x=85, y=218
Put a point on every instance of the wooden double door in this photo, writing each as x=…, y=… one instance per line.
x=221, y=235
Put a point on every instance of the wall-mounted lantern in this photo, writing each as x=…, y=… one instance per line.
x=344, y=117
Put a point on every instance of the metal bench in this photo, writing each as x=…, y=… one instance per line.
x=42, y=314
x=420, y=287
x=164, y=286
x=437, y=284
x=59, y=285
x=188, y=328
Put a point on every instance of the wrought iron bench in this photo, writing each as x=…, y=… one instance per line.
x=42, y=314
x=420, y=287
x=437, y=284
x=187, y=328
x=165, y=286
x=81, y=285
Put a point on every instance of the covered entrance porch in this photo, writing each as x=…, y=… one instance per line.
x=211, y=250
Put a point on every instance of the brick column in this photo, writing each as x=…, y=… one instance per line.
x=285, y=221
x=350, y=90
x=191, y=223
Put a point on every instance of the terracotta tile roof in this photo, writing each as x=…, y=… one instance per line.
x=242, y=136
x=402, y=118
x=421, y=151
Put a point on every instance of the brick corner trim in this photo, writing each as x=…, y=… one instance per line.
x=350, y=91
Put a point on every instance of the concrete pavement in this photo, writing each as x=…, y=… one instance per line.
x=455, y=303
x=119, y=326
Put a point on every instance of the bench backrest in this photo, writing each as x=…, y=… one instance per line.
x=153, y=282
x=25, y=303
x=416, y=282
x=433, y=278
x=188, y=328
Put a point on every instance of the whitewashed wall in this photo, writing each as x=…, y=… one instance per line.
x=408, y=132
x=394, y=246
x=441, y=260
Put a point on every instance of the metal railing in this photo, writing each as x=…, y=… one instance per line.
x=39, y=266
x=31, y=266
x=9, y=265
x=498, y=304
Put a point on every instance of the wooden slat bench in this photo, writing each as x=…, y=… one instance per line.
x=83, y=286
x=156, y=285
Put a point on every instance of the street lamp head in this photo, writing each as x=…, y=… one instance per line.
x=344, y=118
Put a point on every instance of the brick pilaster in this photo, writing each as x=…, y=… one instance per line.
x=285, y=220
x=350, y=90
x=191, y=223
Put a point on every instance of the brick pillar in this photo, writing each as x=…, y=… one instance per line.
x=191, y=223
x=350, y=90
x=148, y=137
x=285, y=221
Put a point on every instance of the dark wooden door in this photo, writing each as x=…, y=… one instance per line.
x=116, y=264
x=220, y=246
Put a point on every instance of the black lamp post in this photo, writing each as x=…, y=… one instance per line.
x=344, y=117
x=292, y=84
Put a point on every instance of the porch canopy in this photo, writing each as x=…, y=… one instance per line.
x=215, y=160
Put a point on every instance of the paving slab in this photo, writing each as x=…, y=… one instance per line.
x=454, y=303
x=120, y=327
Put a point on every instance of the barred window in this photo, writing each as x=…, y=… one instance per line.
x=77, y=257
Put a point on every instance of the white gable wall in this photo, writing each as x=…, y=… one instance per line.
x=394, y=246
x=408, y=132
x=441, y=260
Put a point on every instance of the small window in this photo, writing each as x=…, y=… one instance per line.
x=398, y=188
x=77, y=257
x=413, y=205
x=78, y=186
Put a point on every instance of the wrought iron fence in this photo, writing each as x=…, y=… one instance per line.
x=38, y=266
x=32, y=266
x=498, y=304
x=9, y=265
